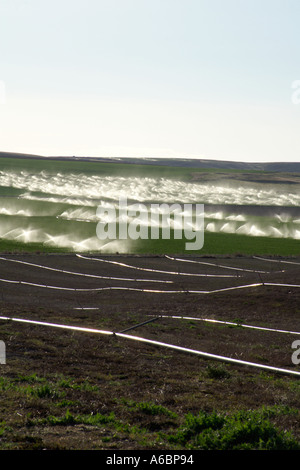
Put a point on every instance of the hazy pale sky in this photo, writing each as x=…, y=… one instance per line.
x=213, y=79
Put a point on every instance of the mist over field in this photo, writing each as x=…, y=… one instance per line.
x=59, y=208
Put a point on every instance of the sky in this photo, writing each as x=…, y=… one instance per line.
x=212, y=79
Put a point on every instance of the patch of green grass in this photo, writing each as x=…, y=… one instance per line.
x=12, y=246
x=93, y=419
x=3, y=427
x=44, y=391
x=150, y=408
x=222, y=244
x=67, y=403
x=249, y=430
x=53, y=402
x=33, y=378
x=85, y=385
x=66, y=420
x=5, y=384
x=214, y=244
x=40, y=387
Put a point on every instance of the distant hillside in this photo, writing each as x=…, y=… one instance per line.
x=286, y=167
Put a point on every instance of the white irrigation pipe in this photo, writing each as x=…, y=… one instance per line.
x=74, y=289
x=56, y=325
x=86, y=308
x=280, y=285
x=276, y=260
x=223, y=322
x=212, y=356
x=153, y=291
x=217, y=265
x=156, y=291
x=158, y=343
x=153, y=270
x=225, y=289
x=84, y=274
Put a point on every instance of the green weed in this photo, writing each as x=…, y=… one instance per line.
x=150, y=409
x=250, y=430
x=44, y=391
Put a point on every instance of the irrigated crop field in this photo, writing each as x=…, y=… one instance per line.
x=86, y=388
x=158, y=349
x=53, y=205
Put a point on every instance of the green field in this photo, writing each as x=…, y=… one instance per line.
x=222, y=244
x=49, y=205
x=214, y=244
x=66, y=390
x=34, y=165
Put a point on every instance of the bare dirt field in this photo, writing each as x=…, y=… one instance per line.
x=55, y=380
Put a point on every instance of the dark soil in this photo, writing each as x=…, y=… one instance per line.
x=88, y=373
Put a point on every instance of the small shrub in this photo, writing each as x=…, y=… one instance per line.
x=195, y=425
x=2, y=428
x=66, y=420
x=151, y=409
x=33, y=378
x=92, y=419
x=242, y=430
x=44, y=391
